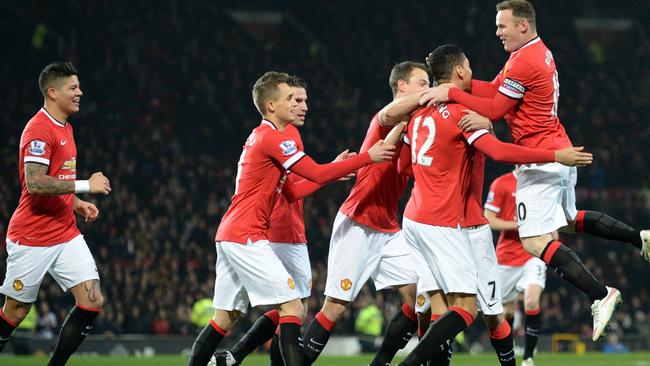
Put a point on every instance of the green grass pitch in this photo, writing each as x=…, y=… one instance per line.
x=561, y=359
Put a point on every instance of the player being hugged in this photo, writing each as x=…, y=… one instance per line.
x=436, y=219
x=42, y=235
x=526, y=92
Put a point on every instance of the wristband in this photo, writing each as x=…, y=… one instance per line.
x=81, y=186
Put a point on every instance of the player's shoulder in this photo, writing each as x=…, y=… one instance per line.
x=506, y=178
x=40, y=125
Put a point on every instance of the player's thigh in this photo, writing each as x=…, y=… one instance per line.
x=447, y=253
x=541, y=191
x=354, y=253
x=509, y=277
x=489, y=284
x=26, y=267
x=261, y=273
x=229, y=293
x=397, y=266
x=75, y=265
x=426, y=280
x=295, y=259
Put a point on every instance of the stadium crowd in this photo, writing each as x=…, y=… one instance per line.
x=167, y=107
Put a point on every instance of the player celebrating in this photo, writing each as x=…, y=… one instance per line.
x=435, y=219
x=526, y=92
x=366, y=238
x=518, y=270
x=288, y=241
x=248, y=270
x=43, y=235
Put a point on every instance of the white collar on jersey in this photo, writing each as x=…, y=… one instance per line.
x=267, y=122
x=52, y=118
x=529, y=43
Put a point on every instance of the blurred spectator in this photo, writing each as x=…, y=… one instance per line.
x=613, y=345
x=46, y=323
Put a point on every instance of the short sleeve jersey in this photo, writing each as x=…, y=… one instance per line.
x=530, y=75
x=45, y=220
x=287, y=218
x=374, y=198
x=501, y=200
x=441, y=157
x=265, y=158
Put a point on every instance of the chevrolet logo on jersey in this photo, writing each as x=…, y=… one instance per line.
x=70, y=164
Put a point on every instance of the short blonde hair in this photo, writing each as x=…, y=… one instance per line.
x=266, y=88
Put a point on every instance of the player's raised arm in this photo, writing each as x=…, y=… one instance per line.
x=400, y=108
x=323, y=173
x=298, y=188
x=513, y=154
x=394, y=137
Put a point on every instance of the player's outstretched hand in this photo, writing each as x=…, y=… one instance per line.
x=345, y=154
x=439, y=94
x=473, y=121
x=573, y=156
x=99, y=183
x=380, y=152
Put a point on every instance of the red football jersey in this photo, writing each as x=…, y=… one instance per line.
x=473, y=206
x=45, y=220
x=375, y=195
x=287, y=218
x=501, y=200
x=265, y=158
x=441, y=158
x=530, y=76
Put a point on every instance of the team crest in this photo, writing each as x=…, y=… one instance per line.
x=346, y=284
x=291, y=283
x=18, y=285
x=420, y=300
x=37, y=147
x=288, y=147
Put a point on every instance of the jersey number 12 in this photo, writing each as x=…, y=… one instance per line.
x=418, y=156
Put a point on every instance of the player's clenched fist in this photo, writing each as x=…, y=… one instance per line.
x=380, y=152
x=573, y=156
x=99, y=183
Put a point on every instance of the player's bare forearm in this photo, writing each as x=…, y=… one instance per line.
x=498, y=224
x=399, y=109
x=38, y=182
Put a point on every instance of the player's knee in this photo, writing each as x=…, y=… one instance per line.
x=334, y=309
x=293, y=308
x=408, y=293
x=531, y=304
x=16, y=311
x=493, y=321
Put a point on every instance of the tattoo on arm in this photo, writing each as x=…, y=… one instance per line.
x=38, y=182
